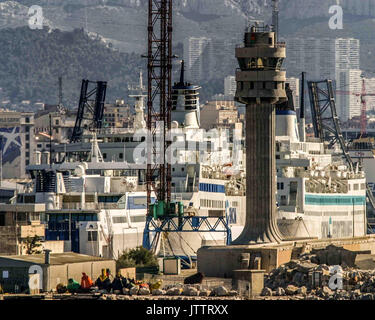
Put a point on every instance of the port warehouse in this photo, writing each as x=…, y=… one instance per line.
x=15, y=270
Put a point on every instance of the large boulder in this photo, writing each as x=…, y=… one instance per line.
x=174, y=292
x=204, y=293
x=291, y=290
x=221, y=291
x=134, y=291
x=191, y=292
x=144, y=291
x=306, y=267
x=280, y=292
x=158, y=292
x=302, y=290
x=266, y=292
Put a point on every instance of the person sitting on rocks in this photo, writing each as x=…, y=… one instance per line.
x=86, y=283
x=103, y=282
x=119, y=282
x=73, y=286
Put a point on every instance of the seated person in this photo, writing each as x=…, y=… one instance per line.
x=73, y=286
x=86, y=282
x=119, y=282
x=103, y=282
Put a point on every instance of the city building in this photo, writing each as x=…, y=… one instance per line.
x=198, y=58
x=216, y=114
x=117, y=115
x=230, y=86
x=370, y=89
x=348, y=102
x=321, y=57
x=18, y=223
x=16, y=143
x=208, y=58
x=324, y=58
x=294, y=84
x=55, y=268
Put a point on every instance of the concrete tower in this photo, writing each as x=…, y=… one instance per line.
x=260, y=85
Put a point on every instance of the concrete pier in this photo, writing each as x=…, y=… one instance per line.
x=221, y=261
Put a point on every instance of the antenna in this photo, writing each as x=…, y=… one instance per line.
x=275, y=18
x=60, y=106
x=302, y=105
x=60, y=91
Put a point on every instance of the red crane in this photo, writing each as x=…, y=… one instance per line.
x=159, y=102
x=363, y=96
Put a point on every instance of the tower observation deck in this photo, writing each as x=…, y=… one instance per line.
x=260, y=86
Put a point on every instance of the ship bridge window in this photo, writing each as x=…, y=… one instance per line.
x=110, y=199
x=138, y=202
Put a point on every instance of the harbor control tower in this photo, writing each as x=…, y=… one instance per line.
x=260, y=86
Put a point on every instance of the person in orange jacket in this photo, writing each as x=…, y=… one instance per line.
x=86, y=282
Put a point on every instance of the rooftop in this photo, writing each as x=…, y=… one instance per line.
x=55, y=258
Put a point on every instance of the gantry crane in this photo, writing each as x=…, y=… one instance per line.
x=164, y=215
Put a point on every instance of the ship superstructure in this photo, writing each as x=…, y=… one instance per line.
x=317, y=195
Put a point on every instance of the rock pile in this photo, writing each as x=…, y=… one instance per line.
x=307, y=278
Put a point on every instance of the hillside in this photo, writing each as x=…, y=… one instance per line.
x=32, y=60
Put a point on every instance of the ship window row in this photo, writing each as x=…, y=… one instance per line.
x=62, y=217
x=109, y=199
x=357, y=186
x=208, y=187
x=206, y=203
x=124, y=139
x=280, y=186
x=324, y=201
x=266, y=85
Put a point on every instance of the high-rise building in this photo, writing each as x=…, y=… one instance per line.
x=321, y=57
x=348, y=103
x=294, y=84
x=347, y=53
x=230, y=86
x=198, y=58
x=370, y=89
x=208, y=58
